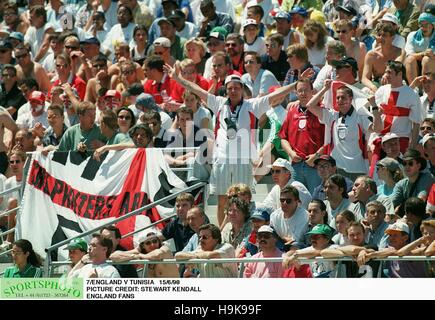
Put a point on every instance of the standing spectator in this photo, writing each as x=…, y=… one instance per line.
x=282, y=172
x=253, y=42
x=347, y=127
x=99, y=251
x=234, y=47
x=213, y=19
x=168, y=30
x=215, y=43
x=258, y=80
x=65, y=75
x=417, y=182
x=302, y=136
x=185, y=29
x=267, y=243
x=158, y=83
x=284, y=28
x=316, y=37
x=27, y=262
x=11, y=97
x=196, y=50
x=7, y=122
x=178, y=228
x=275, y=59
x=238, y=226
x=290, y=221
x=55, y=131
x=211, y=247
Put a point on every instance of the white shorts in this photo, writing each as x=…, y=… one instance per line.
x=224, y=175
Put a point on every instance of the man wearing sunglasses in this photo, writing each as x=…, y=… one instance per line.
x=267, y=240
x=290, y=221
x=275, y=59
x=150, y=248
x=417, y=182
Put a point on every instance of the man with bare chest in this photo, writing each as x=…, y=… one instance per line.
x=376, y=59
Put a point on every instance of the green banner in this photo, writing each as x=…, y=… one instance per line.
x=41, y=288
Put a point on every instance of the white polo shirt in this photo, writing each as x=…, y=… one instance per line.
x=296, y=226
x=346, y=137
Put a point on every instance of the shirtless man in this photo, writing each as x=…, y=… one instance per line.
x=26, y=68
x=150, y=248
x=376, y=60
x=100, y=80
x=7, y=122
x=354, y=48
x=122, y=53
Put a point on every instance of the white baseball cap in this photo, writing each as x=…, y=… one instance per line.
x=391, y=18
x=265, y=228
x=280, y=162
x=162, y=41
x=249, y=22
x=234, y=78
x=389, y=136
x=397, y=226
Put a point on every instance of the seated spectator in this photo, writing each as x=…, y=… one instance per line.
x=150, y=248
x=316, y=37
x=356, y=244
x=162, y=47
x=290, y=221
x=24, y=141
x=126, y=78
x=211, y=247
x=316, y=215
x=77, y=249
x=417, y=182
x=275, y=58
x=195, y=50
x=196, y=217
x=375, y=224
x=321, y=236
x=253, y=42
x=100, y=80
x=282, y=172
x=415, y=211
x=390, y=173
x=55, y=131
x=238, y=226
x=201, y=115
x=7, y=122
x=122, y=53
x=140, y=50
x=27, y=262
x=145, y=103
x=425, y=245
x=99, y=251
x=185, y=29
x=221, y=68
x=215, y=43
x=342, y=222
x=11, y=97
x=428, y=143
x=428, y=99
x=159, y=84
x=409, y=17
x=284, y=27
x=398, y=238
x=126, y=119
x=66, y=75
x=267, y=244
x=234, y=48
x=36, y=119
x=153, y=121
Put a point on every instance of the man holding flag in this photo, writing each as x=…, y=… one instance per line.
x=347, y=127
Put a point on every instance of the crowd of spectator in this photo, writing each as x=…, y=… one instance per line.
x=333, y=99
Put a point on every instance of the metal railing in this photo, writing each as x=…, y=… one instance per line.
x=132, y=213
x=242, y=261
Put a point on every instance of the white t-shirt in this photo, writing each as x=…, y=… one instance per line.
x=259, y=46
x=272, y=199
x=3, y=201
x=10, y=183
x=296, y=226
x=35, y=37
x=241, y=147
x=406, y=98
x=316, y=56
x=199, y=115
x=104, y=270
x=28, y=121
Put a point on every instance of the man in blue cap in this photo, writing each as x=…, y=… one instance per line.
x=284, y=28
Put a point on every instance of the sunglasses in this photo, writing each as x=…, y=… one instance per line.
x=159, y=52
x=425, y=128
x=14, y=161
x=21, y=56
x=264, y=236
x=124, y=117
x=150, y=242
x=71, y=47
x=276, y=171
x=341, y=31
x=288, y=201
x=250, y=62
x=231, y=45
x=408, y=163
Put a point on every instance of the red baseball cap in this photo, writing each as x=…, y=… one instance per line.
x=113, y=93
x=37, y=96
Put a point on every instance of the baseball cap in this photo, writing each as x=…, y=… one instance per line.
x=167, y=20
x=163, y=42
x=261, y=214
x=17, y=35
x=325, y=157
x=397, y=227
x=149, y=235
x=426, y=138
x=234, y=78
x=321, y=229
x=176, y=14
x=77, y=243
x=346, y=61
x=92, y=40
x=249, y=22
x=280, y=162
x=347, y=9
x=391, y=18
x=146, y=100
x=282, y=15
x=37, y=96
x=427, y=16
x=430, y=8
x=298, y=10
x=113, y=93
x=389, y=136
x=265, y=229
x=134, y=90
x=173, y=1
x=219, y=33
x=4, y=44
x=411, y=154
x=389, y=163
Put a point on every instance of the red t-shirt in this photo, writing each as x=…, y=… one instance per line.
x=77, y=83
x=303, y=131
x=303, y=272
x=177, y=90
x=155, y=89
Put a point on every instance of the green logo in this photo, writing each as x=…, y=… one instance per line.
x=41, y=288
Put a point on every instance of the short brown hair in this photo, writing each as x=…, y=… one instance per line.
x=298, y=50
x=83, y=106
x=56, y=108
x=109, y=118
x=186, y=197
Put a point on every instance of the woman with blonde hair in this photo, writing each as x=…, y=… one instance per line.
x=196, y=50
x=316, y=37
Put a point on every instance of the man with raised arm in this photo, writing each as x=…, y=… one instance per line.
x=236, y=117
